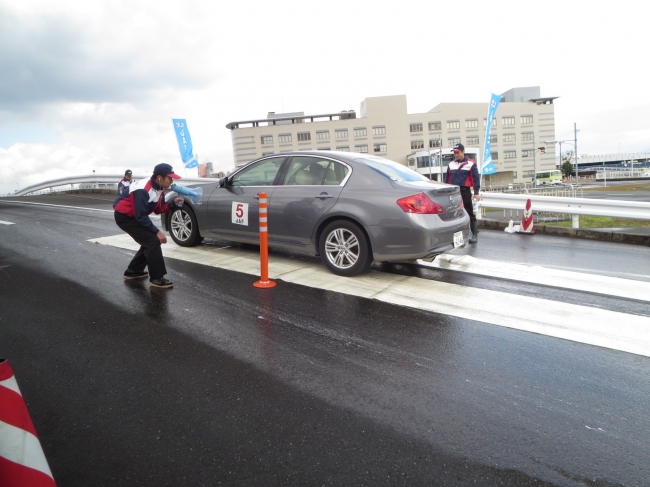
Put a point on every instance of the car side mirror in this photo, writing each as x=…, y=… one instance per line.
x=223, y=182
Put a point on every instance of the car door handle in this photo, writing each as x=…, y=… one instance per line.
x=324, y=196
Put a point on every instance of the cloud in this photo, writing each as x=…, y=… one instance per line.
x=25, y=164
x=53, y=58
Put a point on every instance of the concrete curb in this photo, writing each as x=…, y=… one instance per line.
x=618, y=237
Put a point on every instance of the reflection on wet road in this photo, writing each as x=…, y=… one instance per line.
x=217, y=381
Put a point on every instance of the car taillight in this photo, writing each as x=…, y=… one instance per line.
x=420, y=203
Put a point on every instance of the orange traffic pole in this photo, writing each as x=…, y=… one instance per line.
x=264, y=281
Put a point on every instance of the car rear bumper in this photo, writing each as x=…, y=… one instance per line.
x=425, y=238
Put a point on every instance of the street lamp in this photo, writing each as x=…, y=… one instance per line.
x=560, y=142
x=575, y=146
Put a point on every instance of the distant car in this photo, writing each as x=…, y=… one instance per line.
x=348, y=208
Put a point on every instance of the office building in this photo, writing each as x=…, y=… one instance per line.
x=383, y=127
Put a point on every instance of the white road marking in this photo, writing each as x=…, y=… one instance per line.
x=6, y=223
x=594, y=326
x=578, y=281
x=56, y=206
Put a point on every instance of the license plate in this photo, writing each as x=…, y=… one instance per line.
x=458, y=239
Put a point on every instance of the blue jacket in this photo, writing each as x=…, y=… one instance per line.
x=464, y=174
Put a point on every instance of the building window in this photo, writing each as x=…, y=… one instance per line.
x=417, y=144
x=435, y=143
x=323, y=148
x=472, y=141
x=527, y=136
x=509, y=138
x=493, y=139
x=361, y=132
x=510, y=154
x=494, y=156
x=341, y=133
x=283, y=138
x=526, y=119
x=302, y=136
x=453, y=124
x=508, y=121
x=528, y=174
x=267, y=139
x=415, y=127
x=267, y=153
x=494, y=122
x=452, y=141
x=435, y=126
x=527, y=153
x=379, y=147
x=361, y=148
x=323, y=135
x=379, y=131
x=344, y=148
x=471, y=124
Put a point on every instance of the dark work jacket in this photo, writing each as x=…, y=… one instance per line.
x=464, y=174
x=142, y=199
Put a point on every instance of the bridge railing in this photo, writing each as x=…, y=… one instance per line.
x=63, y=184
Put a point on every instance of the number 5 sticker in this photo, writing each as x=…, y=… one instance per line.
x=240, y=213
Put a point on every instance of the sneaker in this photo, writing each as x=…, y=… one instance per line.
x=128, y=274
x=162, y=282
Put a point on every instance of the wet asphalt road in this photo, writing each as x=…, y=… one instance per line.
x=219, y=383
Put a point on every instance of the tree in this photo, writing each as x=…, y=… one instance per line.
x=567, y=168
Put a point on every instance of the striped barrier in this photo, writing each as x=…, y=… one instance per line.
x=22, y=461
x=527, y=220
x=264, y=281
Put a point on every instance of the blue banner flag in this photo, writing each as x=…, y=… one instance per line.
x=488, y=166
x=184, y=143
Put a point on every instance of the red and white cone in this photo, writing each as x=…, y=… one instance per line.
x=22, y=461
x=527, y=220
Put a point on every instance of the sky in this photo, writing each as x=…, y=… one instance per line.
x=93, y=85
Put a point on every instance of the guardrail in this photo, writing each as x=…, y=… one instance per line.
x=568, y=206
x=546, y=204
x=100, y=179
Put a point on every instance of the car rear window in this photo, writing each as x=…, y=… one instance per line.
x=392, y=170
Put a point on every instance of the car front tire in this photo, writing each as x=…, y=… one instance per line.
x=344, y=248
x=183, y=227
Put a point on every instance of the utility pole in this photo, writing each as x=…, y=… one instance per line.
x=534, y=162
x=575, y=146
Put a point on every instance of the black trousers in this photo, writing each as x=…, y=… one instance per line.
x=150, y=253
x=466, y=194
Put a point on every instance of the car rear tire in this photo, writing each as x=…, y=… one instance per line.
x=183, y=227
x=344, y=248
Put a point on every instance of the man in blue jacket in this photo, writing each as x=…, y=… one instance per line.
x=132, y=210
x=463, y=172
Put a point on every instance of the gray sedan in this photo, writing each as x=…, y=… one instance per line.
x=349, y=208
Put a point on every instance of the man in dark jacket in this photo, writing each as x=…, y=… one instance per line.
x=125, y=182
x=132, y=210
x=463, y=172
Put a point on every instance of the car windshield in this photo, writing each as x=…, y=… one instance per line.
x=392, y=170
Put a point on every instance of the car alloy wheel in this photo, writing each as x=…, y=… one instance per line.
x=183, y=227
x=344, y=248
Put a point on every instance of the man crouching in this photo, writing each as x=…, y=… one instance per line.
x=132, y=210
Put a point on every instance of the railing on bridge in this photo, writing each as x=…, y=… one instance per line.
x=74, y=182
